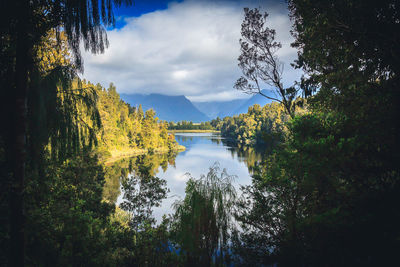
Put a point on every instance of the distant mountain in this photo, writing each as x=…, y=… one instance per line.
x=178, y=108
x=255, y=99
x=220, y=109
x=169, y=108
x=234, y=107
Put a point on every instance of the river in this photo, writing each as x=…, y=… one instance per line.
x=203, y=150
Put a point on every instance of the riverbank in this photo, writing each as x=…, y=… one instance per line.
x=119, y=154
x=194, y=131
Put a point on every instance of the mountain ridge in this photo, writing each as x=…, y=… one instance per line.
x=221, y=109
x=179, y=108
x=230, y=108
x=255, y=99
x=169, y=108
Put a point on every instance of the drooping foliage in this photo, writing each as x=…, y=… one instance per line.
x=203, y=220
x=23, y=25
x=63, y=202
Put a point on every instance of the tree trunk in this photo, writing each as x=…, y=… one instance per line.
x=17, y=214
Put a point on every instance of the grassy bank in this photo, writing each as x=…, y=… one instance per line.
x=193, y=131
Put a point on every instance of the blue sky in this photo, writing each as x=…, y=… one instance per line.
x=137, y=9
x=187, y=47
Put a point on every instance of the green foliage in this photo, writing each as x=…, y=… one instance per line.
x=259, y=125
x=148, y=244
x=70, y=223
x=259, y=61
x=128, y=128
x=316, y=199
x=66, y=214
x=142, y=193
x=148, y=247
x=203, y=220
x=118, y=171
x=188, y=125
x=327, y=195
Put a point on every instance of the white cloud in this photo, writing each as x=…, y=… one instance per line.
x=189, y=49
x=218, y=95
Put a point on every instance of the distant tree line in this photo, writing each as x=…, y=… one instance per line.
x=189, y=125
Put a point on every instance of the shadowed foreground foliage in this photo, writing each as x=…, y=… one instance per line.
x=203, y=220
x=327, y=195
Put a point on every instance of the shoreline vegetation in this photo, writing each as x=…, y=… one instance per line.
x=118, y=154
x=259, y=126
x=191, y=127
x=127, y=131
x=193, y=131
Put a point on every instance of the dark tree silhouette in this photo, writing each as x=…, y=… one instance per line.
x=259, y=62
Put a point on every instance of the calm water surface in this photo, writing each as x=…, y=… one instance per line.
x=203, y=150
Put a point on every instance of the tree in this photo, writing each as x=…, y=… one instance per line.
x=203, y=220
x=142, y=193
x=258, y=126
x=259, y=63
x=23, y=25
x=348, y=50
x=66, y=217
x=328, y=194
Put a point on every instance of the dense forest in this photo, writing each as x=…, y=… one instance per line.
x=326, y=194
x=260, y=125
x=128, y=130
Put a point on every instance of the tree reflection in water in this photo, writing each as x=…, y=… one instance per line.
x=120, y=170
x=252, y=156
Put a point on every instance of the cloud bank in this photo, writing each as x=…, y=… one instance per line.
x=190, y=49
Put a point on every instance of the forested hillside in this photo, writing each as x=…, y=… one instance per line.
x=128, y=130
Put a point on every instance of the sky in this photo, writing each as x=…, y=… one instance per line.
x=187, y=47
